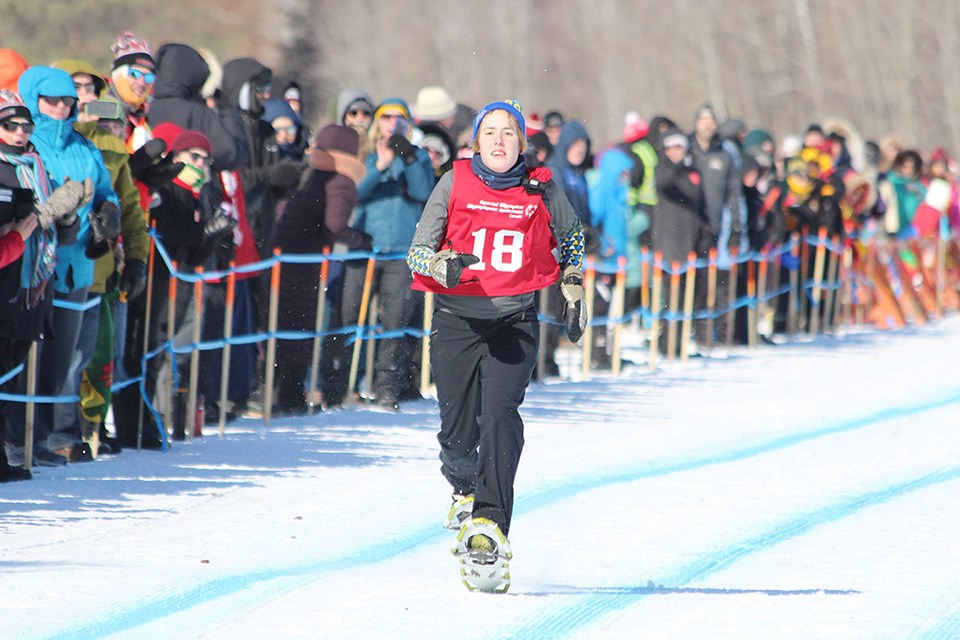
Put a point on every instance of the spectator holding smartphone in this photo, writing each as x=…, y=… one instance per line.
x=51, y=97
x=390, y=198
x=28, y=250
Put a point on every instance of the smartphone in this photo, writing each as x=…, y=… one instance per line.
x=105, y=109
x=400, y=127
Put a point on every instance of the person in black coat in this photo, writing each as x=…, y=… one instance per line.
x=679, y=223
x=314, y=219
x=38, y=218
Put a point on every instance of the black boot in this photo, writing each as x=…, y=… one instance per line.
x=8, y=473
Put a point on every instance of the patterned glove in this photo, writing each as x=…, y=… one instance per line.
x=575, y=314
x=446, y=267
x=61, y=205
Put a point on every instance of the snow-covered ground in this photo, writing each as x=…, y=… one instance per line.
x=805, y=490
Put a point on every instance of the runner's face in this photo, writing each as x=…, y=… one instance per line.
x=498, y=141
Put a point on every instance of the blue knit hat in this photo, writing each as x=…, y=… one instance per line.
x=510, y=106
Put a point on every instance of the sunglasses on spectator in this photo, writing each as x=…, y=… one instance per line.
x=290, y=131
x=199, y=157
x=13, y=125
x=360, y=112
x=136, y=74
x=68, y=101
x=89, y=87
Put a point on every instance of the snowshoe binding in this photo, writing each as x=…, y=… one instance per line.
x=460, y=511
x=484, y=555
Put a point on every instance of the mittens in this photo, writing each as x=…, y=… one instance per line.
x=446, y=267
x=575, y=314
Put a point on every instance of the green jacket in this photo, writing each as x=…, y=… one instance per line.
x=133, y=220
x=646, y=194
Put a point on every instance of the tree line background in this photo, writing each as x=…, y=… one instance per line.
x=886, y=66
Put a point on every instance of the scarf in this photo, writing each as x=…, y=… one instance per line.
x=513, y=177
x=40, y=253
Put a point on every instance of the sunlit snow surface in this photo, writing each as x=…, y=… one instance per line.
x=805, y=490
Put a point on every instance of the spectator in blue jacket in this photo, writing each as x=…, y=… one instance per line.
x=51, y=97
x=390, y=199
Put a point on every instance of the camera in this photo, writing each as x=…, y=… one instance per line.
x=105, y=109
x=15, y=204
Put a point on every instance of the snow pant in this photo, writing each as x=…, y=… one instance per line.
x=242, y=356
x=391, y=281
x=66, y=430
x=482, y=368
x=13, y=353
x=54, y=357
x=721, y=303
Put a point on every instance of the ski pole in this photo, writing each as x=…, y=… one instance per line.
x=425, y=353
x=655, y=309
x=313, y=395
x=195, y=355
x=777, y=266
x=361, y=323
x=543, y=305
x=764, y=272
x=373, y=317
x=818, y=263
x=752, y=307
x=674, y=309
x=731, y=313
x=644, y=282
x=31, y=407
x=225, y=356
x=689, y=286
x=617, y=310
x=711, y=298
x=589, y=282
x=271, y=357
x=794, y=281
x=171, y=321
x=830, y=294
x=148, y=304
x=802, y=300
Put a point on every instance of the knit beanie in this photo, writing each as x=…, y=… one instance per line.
x=191, y=140
x=129, y=49
x=675, y=138
x=335, y=148
x=510, y=106
x=393, y=104
x=434, y=104
x=11, y=105
x=635, y=127
x=335, y=137
x=168, y=132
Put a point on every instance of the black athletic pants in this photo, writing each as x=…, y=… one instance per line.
x=482, y=368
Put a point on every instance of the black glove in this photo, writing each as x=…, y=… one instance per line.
x=145, y=156
x=134, y=279
x=402, y=147
x=285, y=174
x=105, y=222
x=574, y=312
x=446, y=266
x=219, y=225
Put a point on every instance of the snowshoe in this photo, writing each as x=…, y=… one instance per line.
x=484, y=554
x=460, y=512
